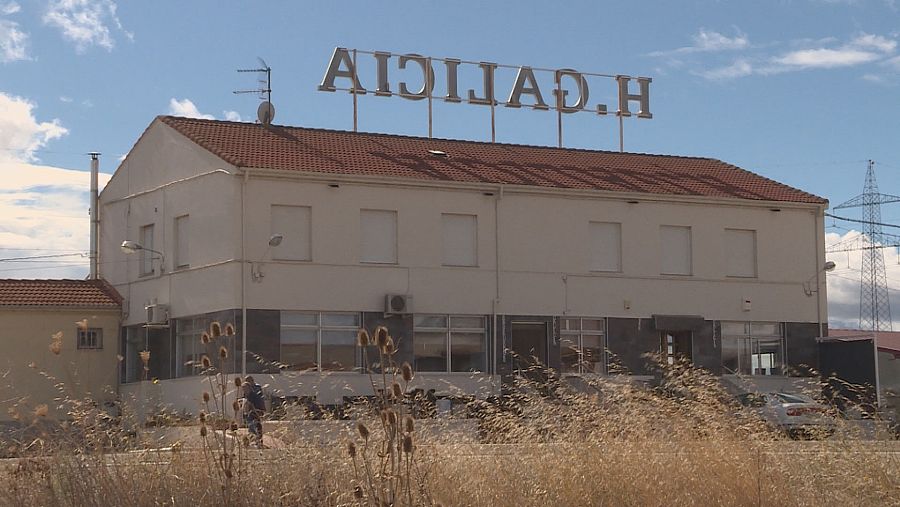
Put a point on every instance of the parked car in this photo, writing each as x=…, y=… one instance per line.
x=797, y=415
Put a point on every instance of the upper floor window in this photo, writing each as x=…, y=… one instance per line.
x=182, y=241
x=294, y=223
x=606, y=246
x=740, y=253
x=146, y=254
x=378, y=236
x=675, y=250
x=581, y=343
x=90, y=338
x=460, y=239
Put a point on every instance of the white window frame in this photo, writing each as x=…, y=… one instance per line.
x=690, y=252
x=753, y=340
x=182, y=259
x=444, y=261
x=396, y=231
x=579, y=335
x=84, y=342
x=146, y=256
x=593, y=266
x=448, y=331
x=320, y=327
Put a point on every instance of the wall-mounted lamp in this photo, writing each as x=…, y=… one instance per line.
x=129, y=247
x=807, y=288
x=256, y=273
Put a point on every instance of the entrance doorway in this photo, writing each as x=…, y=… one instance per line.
x=675, y=346
x=528, y=344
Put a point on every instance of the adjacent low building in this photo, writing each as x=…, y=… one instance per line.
x=474, y=255
x=59, y=340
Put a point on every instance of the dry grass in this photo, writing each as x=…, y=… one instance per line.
x=614, y=443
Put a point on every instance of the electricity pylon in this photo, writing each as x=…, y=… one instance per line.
x=874, y=305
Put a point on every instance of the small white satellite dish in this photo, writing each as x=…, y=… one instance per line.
x=265, y=113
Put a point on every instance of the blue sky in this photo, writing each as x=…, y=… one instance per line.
x=801, y=91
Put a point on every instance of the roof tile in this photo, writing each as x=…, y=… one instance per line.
x=350, y=153
x=58, y=293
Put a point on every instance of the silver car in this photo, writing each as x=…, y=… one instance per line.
x=797, y=415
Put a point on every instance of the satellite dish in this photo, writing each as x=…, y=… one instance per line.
x=265, y=113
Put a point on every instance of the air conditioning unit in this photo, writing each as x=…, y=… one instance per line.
x=395, y=304
x=157, y=315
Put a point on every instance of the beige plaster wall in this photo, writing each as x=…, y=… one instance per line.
x=25, y=337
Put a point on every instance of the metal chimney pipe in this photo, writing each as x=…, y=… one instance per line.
x=95, y=216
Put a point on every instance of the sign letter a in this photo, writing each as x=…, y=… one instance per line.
x=341, y=57
x=526, y=75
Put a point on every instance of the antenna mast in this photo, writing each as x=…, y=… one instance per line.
x=266, y=111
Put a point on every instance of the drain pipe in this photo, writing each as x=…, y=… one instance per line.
x=95, y=216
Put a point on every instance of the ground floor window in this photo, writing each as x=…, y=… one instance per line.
x=753, y=348
x=319, y=341
x=189, y=350
x=581, y=344
x=455, y=343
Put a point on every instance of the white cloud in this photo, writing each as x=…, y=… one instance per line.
x=739, y=68
x=38, y=202
x=874, y=78
x=10, y=8
x=13, y=42
x=67, y=100
x=232, y=116
x=825, y=58
x=876, y=42
x=85, y=22
x=20, y=133
x=186, y=108
x=844, y=282
x=709, y=41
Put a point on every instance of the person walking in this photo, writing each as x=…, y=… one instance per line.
x=254, y=406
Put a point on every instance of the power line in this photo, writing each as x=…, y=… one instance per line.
x=861, y=221
x=81, y=254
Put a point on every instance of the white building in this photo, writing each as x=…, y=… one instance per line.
x=495, y=247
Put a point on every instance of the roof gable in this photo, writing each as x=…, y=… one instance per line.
x=350, y=153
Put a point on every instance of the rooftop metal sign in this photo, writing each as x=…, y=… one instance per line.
x=570, y=88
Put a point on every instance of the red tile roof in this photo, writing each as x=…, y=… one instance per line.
x=348, y=153
x=58, y=294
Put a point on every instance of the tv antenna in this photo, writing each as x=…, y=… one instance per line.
x=266, y=111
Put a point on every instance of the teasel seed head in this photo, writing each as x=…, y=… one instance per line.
x=407, y=444
x=228, y=473
x=363, y=430
x=358, y=492
x=351, y=449
x=409, y=424
x=362, y=338
x=205, y=397
x=215, y=329
x=234, y=426
x=406, y=372
x=237, y=382
x=202, y=417
x=236, y=406
x=145, y=356
x=223, y=353
x=381, y=336
x=396, y=391
x=204, y=338
x=389, y=347
x=203, y=431
x=392, y=417
x=205, y=361
x=246, y=441
x=229, y=329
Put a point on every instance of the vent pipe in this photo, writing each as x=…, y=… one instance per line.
x=95, y=216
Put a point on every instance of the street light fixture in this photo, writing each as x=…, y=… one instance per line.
x=256, y=273
x=129, y=247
